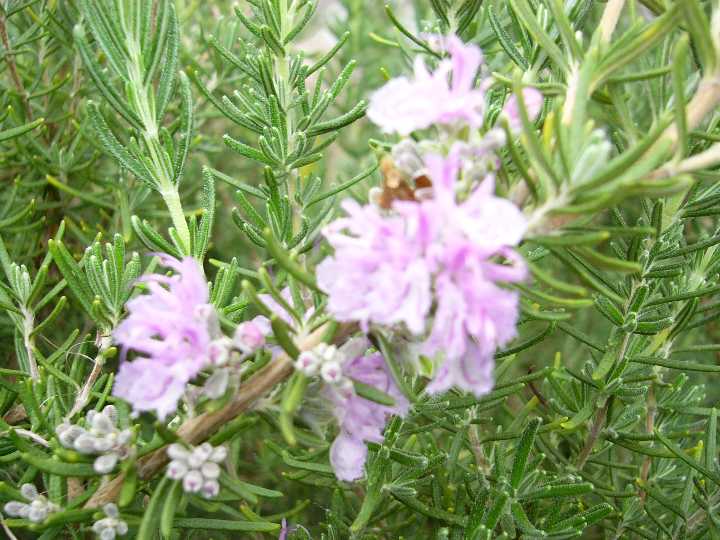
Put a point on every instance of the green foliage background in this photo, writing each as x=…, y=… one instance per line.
x=602, y=422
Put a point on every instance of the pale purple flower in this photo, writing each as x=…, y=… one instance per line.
x=533, y=100
x=446, y=96
x=434, y=266
x=473, y=317
x=361, y=420
x=174, y=329
x=150, y=385
x=284, y=530
x=378, y=272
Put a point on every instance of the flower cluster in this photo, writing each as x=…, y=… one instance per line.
x=360, y=420
x=102, y=437
x=197, y=467
x=37, y=509
x=434, y=257
x=173, y=328
x=435, y=264
x=404, y=105
x=447, y=96
x=324, y=360
x=111, y=525
x=176, y=331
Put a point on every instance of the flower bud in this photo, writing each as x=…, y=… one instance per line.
x=407, y=158
x=250, y=335
x=308, y=363
x=193, y=482
x=210, y=489
x=177, y=451
x=218, y=454
x=219, y=351
x=105, y=463
x=176, y=470
x=16, y=509
x=29, y=491
x=210, y=470
x=331, y=372
x=85, y=444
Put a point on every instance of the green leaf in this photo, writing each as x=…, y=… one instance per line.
x=676, y=364
x=208, y=217
x=496, y=511
x=118, y=151
x=373, y=394
x=344, y=186
x=12, y=133
x=55, y=466
x=435, y=513
x=570, y=239
x=152, y=239
x=107, y=91
x=245, y=490
x=506, y=41
x=527, y=440
x=186, y=127
x=170, y=506
x=420, y=43
x=72, y=273
x=558, y=490
x=152, y=515
x=680, y=454
x=528, y=18
x=697, y=24
x=287, y=263
x=357, y=112
x=247, y=151
x=225, y=525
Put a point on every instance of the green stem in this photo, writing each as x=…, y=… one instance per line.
x=171, y=197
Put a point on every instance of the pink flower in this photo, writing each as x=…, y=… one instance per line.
x=174, y=328
x=149, y=385
x=404, y=105
x=433, y=266
x=361, y=420
x=533, y=100
x=378, y=272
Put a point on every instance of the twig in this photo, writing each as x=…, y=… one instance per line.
x=476, y=445
x=84, y=395
x=198, y=429
x=32, y=436
x=610, y=18
x=598, y=423
x=7, y=530
x=28, y=323
x=16, y=415
x=703, y=160
x=649, y=428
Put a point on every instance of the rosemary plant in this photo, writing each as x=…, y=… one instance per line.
x=327, y=269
